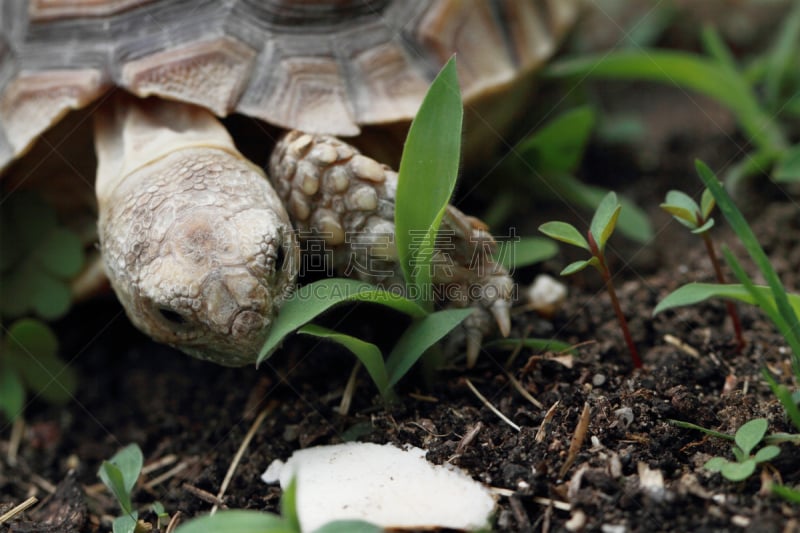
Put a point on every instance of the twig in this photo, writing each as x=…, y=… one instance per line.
x=240, y=452
x=349, y=390
x=577, y=439
x=159, y=463
x=561, y=506
x=173, y=522
x=202, y=494
x=523, y=391
x=166, y=475
x=18, y=509
x=491, y=407
x=468, y=438
x=682, y=346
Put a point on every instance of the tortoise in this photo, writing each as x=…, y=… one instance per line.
x=200, y=247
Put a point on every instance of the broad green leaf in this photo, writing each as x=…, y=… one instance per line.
x=349, y=526
x=604, y=219
x=427, y=175
x=313, y=299
x=129, y=462
x=559, y=145
x=687, y=71
x=767, y=453
x=60, y=253
x=577, y=266
x=705, y=227
x=289, y=506
x=51, y=297
x=366, y=352
x=421, y=335
x=237, y=522
x=534, y=344
x=750, y=434
x=693, y=293
x=12, y=393
x=31, y=347
x=526, y=251
x=125, y=523
x=791, y=331
x=111, y=476
x=788, y=167
x=715, y=464
x=738, y=471
x=561, y=231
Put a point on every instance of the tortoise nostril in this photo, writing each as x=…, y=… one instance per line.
x=171, y=316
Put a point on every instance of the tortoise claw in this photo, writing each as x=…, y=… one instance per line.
x=500, y=309
x=474, y=339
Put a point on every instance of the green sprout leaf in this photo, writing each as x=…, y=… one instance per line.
x=707, y=203
x=429, y=163
x=788, y=167
x=705, y=227
x=715, y=464
x=605, y=219
x=735, y=471
x=577, y=266
x=750, y=434
x=683, y=207
x=120, y=473
x=289, y=506
x=366, y=352
x=767, y=453
x=561, y=231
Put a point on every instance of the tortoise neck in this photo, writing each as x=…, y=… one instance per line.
x=131, y=133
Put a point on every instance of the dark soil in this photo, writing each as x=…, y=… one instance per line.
x=192, y=416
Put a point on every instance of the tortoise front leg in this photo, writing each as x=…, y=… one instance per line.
x=345, y=199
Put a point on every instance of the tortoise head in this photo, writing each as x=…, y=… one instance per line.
x=196, y=243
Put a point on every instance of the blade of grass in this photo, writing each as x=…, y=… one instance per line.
x=427, y=177
x=685, y=70
x=312, y=300
x=748, y=238
x=693, y=293
x=366, y=352
x=420, y=336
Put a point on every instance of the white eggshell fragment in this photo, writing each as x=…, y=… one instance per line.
x=546, y=295
x=384, y=485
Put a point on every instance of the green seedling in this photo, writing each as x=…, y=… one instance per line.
x=37, y=259
x=600, y=229
x=241, y=521
x=120, y=474
x=29, y=363
x=747, y=437
x=698, y=219
x=757, y=93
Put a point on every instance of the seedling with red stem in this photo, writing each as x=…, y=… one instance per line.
x=698, y=219
x=600, y=229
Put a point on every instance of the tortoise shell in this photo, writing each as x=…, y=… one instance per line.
x=314, y=65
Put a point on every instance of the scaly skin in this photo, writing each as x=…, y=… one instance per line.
x=200, y=250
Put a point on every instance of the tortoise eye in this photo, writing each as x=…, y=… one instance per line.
x=280, y=257
x=171, y=316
